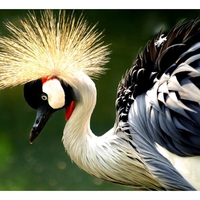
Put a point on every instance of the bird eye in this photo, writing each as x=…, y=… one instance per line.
x=44, y=97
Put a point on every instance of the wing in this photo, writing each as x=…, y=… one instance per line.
x=174, y=111
x=159, y=99
x=168, y=73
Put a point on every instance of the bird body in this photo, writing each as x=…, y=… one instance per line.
x=155, y=141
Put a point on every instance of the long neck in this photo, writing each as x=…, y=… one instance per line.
x=109, y=157
x=77, y=132
x=96, y=155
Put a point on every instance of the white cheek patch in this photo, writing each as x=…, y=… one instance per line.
x=55, y=93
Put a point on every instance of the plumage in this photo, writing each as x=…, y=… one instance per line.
x=155, y=141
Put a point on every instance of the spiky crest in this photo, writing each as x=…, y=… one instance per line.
x=50, y=46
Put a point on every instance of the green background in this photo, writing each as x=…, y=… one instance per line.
x=45, y=165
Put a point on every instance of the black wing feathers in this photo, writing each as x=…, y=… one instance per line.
x=168, y=71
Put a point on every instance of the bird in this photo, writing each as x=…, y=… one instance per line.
x=154, y=143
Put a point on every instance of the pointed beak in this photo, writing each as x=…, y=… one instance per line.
x=43, y=114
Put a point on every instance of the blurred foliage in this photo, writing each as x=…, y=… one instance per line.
x=45, y=165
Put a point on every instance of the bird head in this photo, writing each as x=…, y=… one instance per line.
x=48, y=95
x=46, y=55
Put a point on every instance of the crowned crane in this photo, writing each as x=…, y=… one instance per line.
x=155, y=141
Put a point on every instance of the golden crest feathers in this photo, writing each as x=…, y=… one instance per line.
x=50, y=46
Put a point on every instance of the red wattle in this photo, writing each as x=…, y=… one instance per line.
x=69, y=110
